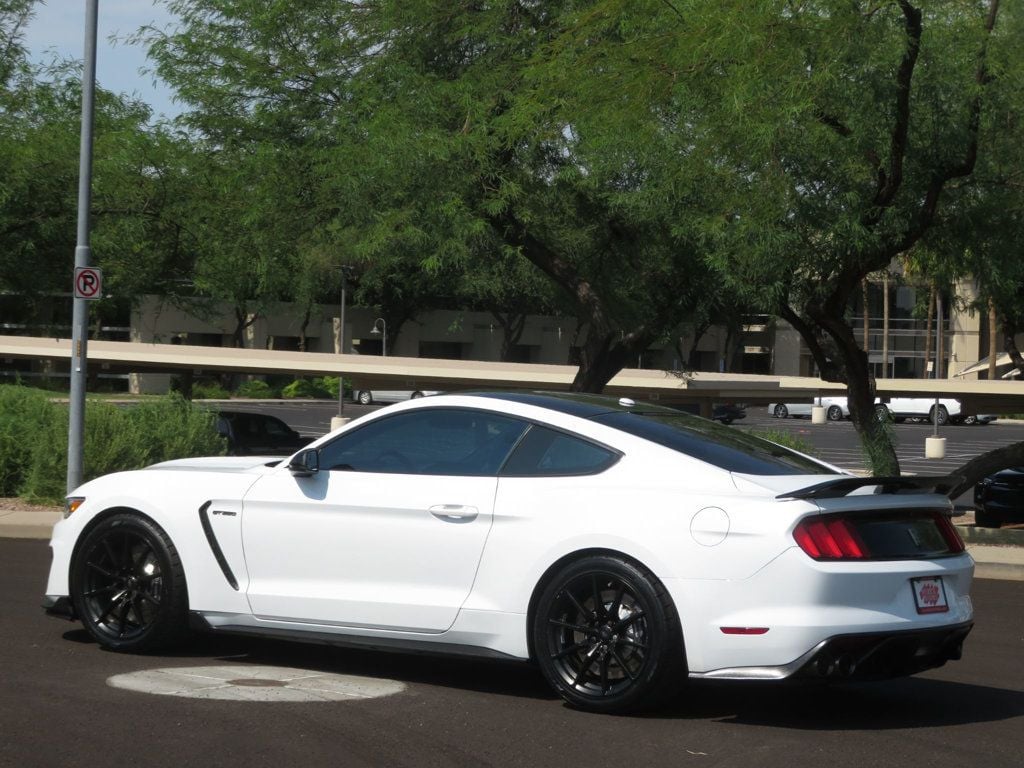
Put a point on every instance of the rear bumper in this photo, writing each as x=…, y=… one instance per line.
x=865, y=656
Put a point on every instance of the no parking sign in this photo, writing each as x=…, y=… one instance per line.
x=88, y=283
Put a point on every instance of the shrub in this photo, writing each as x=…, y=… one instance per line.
x=786, y=439
x=117, y=439
x=257, y=389
x=26, y=415
x=307, y=388
x=209, y=390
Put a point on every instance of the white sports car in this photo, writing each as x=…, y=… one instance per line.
x=621, y=546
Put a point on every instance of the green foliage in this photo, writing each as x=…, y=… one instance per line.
x=786, y=439
x=26, y=415
x=306, y=388
x=209, y=390
x=34, y=439
x=256, y=389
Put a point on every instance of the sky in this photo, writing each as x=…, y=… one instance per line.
x=59, y=28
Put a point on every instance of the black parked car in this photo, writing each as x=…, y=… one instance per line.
x=257, y=434
x=726, y=413
x=999, y=498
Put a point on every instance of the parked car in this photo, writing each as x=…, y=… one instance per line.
x=623, y=547
x=726, y=413
x=999, y=499
x=367, y=397
x=900, y=409
x=979, y=418
x=835, y=408
x=258, y=434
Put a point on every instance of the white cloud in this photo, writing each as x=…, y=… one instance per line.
x=59, y=29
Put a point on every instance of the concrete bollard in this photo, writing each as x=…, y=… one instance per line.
x=339, y=421
x=935, y=447
x=817, y=414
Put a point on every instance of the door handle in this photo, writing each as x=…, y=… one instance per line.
x=456, y=513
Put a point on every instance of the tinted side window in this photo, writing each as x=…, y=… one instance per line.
x=547, y=452
x=436, y=441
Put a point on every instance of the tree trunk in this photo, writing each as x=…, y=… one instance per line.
x=866, y=325
x=885, y=324
x=929, y=328
x=1010, y=345
x=993, y=348
x=984, y=465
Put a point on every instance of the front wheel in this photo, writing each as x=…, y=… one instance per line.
x=781, y=411
x=607, y=637
x=834, y=413
x=882, y=413
x=364, y=398
x=128, y=585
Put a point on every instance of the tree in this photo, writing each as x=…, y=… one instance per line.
x=846, y=127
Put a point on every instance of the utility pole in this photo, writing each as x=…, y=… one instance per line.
x=80, y=307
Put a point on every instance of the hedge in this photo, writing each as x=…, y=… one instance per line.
x=34, y=439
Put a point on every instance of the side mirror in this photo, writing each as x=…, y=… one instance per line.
x=305, y=463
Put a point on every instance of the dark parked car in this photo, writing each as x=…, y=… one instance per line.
x=257, y=434
x=999, y=498
x=726, y=413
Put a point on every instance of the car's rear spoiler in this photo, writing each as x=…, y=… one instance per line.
x=831, y=489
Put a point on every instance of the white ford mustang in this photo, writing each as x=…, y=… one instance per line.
x=621, y=546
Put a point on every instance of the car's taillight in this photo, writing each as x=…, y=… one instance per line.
x=949, y=533
x=888, y=535
x=829, y=539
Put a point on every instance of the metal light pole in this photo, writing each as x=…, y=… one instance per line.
x=80, y=311
x=341, y=346
x=378, y=325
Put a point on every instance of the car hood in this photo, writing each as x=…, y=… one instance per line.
x=220, y=463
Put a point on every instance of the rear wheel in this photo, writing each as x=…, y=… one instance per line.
x=834, y=413
x=365, y=398
x=607, y=636
x=882, y=413
x=781, y=411
x=938, y=415
x=128, y=585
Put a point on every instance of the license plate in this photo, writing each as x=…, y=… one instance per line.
x=930, y=595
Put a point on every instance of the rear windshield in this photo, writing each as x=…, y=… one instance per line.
x=725, y=447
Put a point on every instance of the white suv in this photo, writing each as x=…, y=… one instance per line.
x=900, y=408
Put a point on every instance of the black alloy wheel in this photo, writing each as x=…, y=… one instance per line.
x=128, y=585
x=607, y=637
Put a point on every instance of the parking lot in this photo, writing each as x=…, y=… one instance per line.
x=58, y=708
x=59, y=704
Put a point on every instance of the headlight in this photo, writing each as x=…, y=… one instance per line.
x=71, y=504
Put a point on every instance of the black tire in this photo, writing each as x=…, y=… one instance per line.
x=726, y=420
x=128, y=586
x=882, y=413
x=415, y=395
x=969, y=420
x=781, y=411
x=834, y=413
x=939, y=414
x=984, y=519
x=607, y=636
x=364, y=397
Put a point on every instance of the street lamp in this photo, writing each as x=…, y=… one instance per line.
x=381, y=327
x=341, y=340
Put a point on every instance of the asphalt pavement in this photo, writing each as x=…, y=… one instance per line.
x=58, y=706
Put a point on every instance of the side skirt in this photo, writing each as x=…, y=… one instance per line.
x=199, y=623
